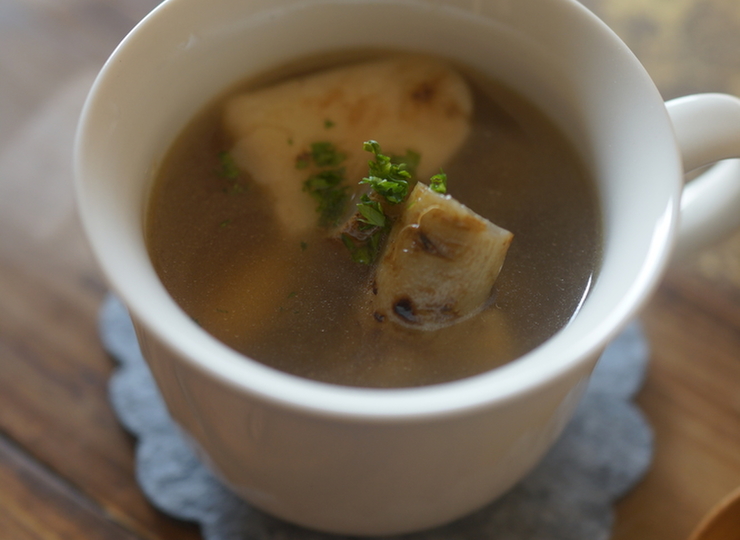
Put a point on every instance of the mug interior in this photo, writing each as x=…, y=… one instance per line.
x=555, y=53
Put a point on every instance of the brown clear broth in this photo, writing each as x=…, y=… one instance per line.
x=291, y=305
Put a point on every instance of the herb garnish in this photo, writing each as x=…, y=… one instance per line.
x=228, y=168
x=364, y=252
x=325, y=185
x=371, y=212
x=324, y=154
x=411, y=160
x=322, y=180
x=372, y=225
x=391, y=180
x=328, y=124
x=438, y=182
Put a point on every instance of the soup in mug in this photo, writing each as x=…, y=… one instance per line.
x=255, y=230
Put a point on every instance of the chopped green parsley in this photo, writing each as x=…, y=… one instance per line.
x=228, y=168
x=326, y=185
x=322, y=180
x=371, y=212
x=438, y=182
x=325, y=154
x=391, y=180
x=363, y=252
x=411, y=160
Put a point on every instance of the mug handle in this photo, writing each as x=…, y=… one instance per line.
x=707, y=129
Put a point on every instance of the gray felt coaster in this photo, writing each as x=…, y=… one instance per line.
x=604, y=451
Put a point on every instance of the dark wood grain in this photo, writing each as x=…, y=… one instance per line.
x=37, y=504
x=67, y=466
x=53, y=391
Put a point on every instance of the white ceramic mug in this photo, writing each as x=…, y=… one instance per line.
x=369, y=461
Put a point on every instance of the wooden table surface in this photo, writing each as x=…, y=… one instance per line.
x=66, y=465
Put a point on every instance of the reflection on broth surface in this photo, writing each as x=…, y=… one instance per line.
x=297, y=301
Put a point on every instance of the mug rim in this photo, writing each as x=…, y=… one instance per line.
x=552, y=360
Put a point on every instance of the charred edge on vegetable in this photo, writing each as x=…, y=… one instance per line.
x=427, y=245
x=404, y=308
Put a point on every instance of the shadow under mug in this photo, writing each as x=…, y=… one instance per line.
x=369, y=461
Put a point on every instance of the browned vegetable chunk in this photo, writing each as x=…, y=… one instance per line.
x=439, y=265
